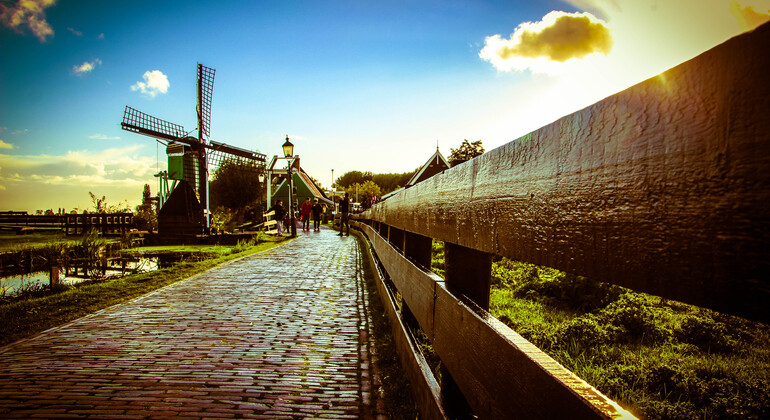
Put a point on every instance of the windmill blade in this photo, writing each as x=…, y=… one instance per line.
x=220, y=152
x=141, y=123
x=205, y=91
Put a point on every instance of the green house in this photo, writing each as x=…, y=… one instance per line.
x=305, y=187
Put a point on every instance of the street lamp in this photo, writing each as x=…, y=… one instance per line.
x=288, y=148
x=288, y=152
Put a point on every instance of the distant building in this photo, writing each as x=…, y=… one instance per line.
x=436, y=164
x=305, y=188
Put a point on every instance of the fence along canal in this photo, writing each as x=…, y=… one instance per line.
x=662, y=188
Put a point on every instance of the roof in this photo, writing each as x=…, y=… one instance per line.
x=305, y=187
x=434, y=165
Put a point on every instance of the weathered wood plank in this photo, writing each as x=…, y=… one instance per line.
x=663, y=187
x=504, y=376
x=425, y=389
x=416, y=286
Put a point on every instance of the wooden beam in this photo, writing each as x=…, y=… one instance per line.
x=663, y=188
x=504, y=376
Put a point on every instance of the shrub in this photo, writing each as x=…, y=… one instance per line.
x=568, y=291
x=635, y=318
x=507, y=274
x=586, y=332
x=707, y=334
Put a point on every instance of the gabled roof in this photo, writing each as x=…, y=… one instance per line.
x=434, y=165
x=305, y=187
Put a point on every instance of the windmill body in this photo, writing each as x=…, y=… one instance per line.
x=185, y=211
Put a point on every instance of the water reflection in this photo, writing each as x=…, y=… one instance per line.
x=79, y=271
x=110, y=268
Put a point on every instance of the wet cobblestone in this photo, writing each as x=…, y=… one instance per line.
x=280, y=334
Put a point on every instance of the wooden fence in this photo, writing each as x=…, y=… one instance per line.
x=662, y=188
x=15, y=220
x=106, y=224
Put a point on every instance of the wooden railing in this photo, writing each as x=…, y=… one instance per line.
x=105, y=223
x=18, y=219
x=663, y=188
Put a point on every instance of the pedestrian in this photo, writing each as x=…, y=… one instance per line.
x=278, y=216
x=317, y=209
x=305, y=214
x=345, y=213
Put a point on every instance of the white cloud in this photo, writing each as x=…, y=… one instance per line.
x=17, y=132
x=4, y=145
x=100, y=36
x=155, y=82
x=103, y=137
x=75, y=31
x=541, y=46
x=29, y=13
x=86, y=67
x=114, y=166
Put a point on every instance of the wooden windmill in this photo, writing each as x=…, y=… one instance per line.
x=190, y=158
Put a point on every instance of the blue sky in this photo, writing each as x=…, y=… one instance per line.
x=357, y=85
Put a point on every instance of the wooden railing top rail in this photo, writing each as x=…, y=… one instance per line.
x=662, y=188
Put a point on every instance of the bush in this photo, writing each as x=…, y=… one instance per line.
x=707, y=334
x=567, y=290
x=507, y=274
x=586, y=332
x=635, y=318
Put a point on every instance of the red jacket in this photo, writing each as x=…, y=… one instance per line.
x=305, y=210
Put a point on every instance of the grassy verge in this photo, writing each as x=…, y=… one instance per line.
x=659, y=358
x=10, y=241
x=24, y=318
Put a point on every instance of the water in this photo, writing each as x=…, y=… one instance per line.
x=11, y=285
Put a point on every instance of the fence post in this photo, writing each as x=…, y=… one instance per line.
x=418, y=249
x=468, y=272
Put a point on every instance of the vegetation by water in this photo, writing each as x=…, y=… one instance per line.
x=659, y=358
x=46, y=308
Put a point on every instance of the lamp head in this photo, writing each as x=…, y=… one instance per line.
x=288, y=148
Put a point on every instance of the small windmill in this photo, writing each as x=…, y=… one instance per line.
x=189, y=158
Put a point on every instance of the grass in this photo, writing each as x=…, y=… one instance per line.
x=10, y=241
x=26, y=317
x=660, y=359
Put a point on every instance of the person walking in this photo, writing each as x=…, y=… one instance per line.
x=279, y=215
x=317, y=209
x=305, y=214
x=345, y=213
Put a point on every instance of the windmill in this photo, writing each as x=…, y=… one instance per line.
x=190, y=158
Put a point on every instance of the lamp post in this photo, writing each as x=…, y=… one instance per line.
x=288, y=152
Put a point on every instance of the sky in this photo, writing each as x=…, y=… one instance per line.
x=355, y=84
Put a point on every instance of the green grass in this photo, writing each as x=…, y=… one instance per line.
x=9, y=241
x=660, y=359
x=26, y=317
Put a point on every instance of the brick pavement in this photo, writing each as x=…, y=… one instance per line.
x=280, y=334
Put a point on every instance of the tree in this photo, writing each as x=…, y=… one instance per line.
x=101, y=206
x=235, y=192
x=145, y=217
x=366, y=192
x=352, y=177
x=235, y=185
x=466, y=151
x=392, y=182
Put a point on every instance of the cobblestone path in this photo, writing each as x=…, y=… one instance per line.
x=280, y=334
